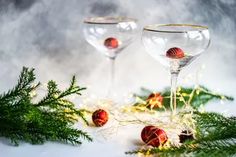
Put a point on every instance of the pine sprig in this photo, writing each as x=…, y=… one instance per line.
x=51, y=119
x=55, y=100
x=196, y=97
x=214, y=126
x=219, y=149
x=216, y=136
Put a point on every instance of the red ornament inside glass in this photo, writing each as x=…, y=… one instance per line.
x=100, y=117
x=175, y=53
x=153, y=136
x=154, y=101
x=111, y=43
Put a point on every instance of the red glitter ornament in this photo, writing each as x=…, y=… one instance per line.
x=111, y=43
x=146, y=131
x=154, y=101
x=175, y=53
x=153, y=136
x=100, y=117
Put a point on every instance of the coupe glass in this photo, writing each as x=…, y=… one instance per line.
x=175, y=46
x=110, y=35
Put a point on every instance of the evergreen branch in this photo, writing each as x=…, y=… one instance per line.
x=50, y=119
x=82, y=116
x=216, y=136
x=54, y=94
x=214, y=126
x=194, y=97
x=200, y=150
x=26, y=78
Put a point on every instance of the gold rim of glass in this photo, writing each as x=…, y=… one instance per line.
x=108, y=20
x=161, y=28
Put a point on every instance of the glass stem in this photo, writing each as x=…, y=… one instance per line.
x=174, y=77
x=111, y=77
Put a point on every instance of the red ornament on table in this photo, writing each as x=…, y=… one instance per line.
x=111, y=43
x=146, y=131
x=100, y=117
x=153, y=136
x=154, y=101
x=175, y=53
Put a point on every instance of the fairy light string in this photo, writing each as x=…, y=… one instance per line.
x=139, y=112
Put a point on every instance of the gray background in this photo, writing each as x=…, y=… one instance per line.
x=47, y=35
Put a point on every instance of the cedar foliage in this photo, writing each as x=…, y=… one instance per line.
x=50, y=119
